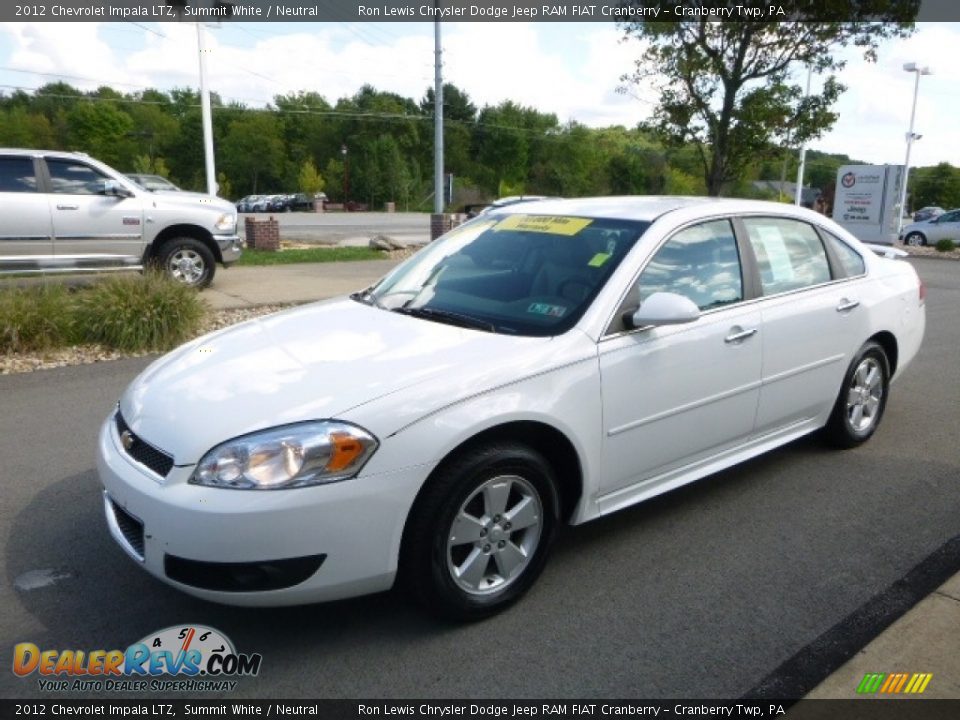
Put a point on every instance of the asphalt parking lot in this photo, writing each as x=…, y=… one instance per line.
x=701, y=593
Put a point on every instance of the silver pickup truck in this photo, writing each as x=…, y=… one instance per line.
x=65, y=211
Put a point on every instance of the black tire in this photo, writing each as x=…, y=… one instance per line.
x=188, y=261
x=848, y=426
x=915, y=239
x=429, y=556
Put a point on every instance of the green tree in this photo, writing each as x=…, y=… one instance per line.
x=100, y=129
x=726, y=87
x=309, y=180
x=938, y=186
x=253, y=152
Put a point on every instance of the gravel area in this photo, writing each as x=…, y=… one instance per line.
x=87, y=354
x=931, y=252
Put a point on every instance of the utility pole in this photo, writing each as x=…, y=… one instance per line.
x=205, y=109
x=437, y=118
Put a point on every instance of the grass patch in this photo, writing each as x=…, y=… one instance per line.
x=129, y=313
x=37, y=317
x=308, y=255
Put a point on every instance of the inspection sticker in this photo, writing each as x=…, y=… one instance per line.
x=547, y=309
x=553, y=224
x=599, y=259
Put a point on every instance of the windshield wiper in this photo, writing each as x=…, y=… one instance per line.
x=445, y=316
x=367, y=298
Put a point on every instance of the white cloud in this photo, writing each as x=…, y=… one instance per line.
x=570, y=70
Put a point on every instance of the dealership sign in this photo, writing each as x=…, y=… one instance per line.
x=866, y=201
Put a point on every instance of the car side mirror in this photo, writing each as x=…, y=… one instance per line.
x=112, y=188
x=664, y=308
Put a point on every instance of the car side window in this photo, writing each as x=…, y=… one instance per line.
x=699, y=262
x=850, y=259
x=949, y=217
x=68, y=177
x=16, y=175
x=789, y=254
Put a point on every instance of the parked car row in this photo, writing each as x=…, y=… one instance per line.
x=279, y=203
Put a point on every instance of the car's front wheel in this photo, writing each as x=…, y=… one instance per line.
x=915, y=239
x=862, y=399
x=188, y=261
x=480, y=531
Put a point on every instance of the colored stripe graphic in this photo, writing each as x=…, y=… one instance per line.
x=894, y=683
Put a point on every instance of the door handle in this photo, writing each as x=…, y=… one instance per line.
x=67, y=207
x=738, y=334
x=847, y=305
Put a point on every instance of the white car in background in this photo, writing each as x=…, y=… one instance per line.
x=543, y=364
x=933, y=230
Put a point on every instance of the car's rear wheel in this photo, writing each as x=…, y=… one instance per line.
x=479, y=533
x=915, y=239
x=188, y=261
x=862, y=399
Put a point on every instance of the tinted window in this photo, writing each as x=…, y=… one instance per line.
x=16, y=175
x=700, y=262
x=949, y=217
x=789, y=253
x=68, y=177
x=849, y=258
x=518, y=274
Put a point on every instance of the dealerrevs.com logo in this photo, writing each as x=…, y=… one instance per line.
x=185, y=658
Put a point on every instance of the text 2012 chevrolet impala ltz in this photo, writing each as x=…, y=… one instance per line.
x=547, y=363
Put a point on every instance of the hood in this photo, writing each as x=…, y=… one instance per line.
x=183, y=198
x=310, y=363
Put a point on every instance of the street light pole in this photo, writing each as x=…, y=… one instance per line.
x=911, y=136
x=803, y=151
x=346, y=175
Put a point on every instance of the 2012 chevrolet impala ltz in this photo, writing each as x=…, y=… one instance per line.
x=545, y=363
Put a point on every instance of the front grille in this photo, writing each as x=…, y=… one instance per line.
x=130, y=529
x=142, y=451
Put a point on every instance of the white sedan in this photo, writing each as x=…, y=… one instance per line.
x=543, y=364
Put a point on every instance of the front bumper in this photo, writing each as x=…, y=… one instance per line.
x=230, y=247
x=352, y=527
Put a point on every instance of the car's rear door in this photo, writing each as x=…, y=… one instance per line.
x=26, y=240
x=813, y=320
x=89, y=227
x=676, y=395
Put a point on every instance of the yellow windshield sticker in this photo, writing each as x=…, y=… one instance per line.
x=553, y=224
x=598, y=260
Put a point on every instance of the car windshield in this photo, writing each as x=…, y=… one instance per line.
x=518, y=274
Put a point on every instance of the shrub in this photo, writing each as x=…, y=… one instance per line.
x=36, y=317
x=945, y=245
x=135, y=313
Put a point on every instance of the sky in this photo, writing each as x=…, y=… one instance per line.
x=572, y=70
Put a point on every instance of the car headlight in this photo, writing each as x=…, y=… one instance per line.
x=289, y=456
x=227, y=221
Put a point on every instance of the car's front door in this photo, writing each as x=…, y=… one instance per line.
x=90, y=227
x=676, y=395
x=25, y=229
x=945, y=226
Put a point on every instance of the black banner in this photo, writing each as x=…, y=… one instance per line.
x=486, y=709
x=475, y=10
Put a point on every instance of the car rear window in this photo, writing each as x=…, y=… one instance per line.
x=16, y=175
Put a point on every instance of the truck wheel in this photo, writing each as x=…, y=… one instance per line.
x=188, y=261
